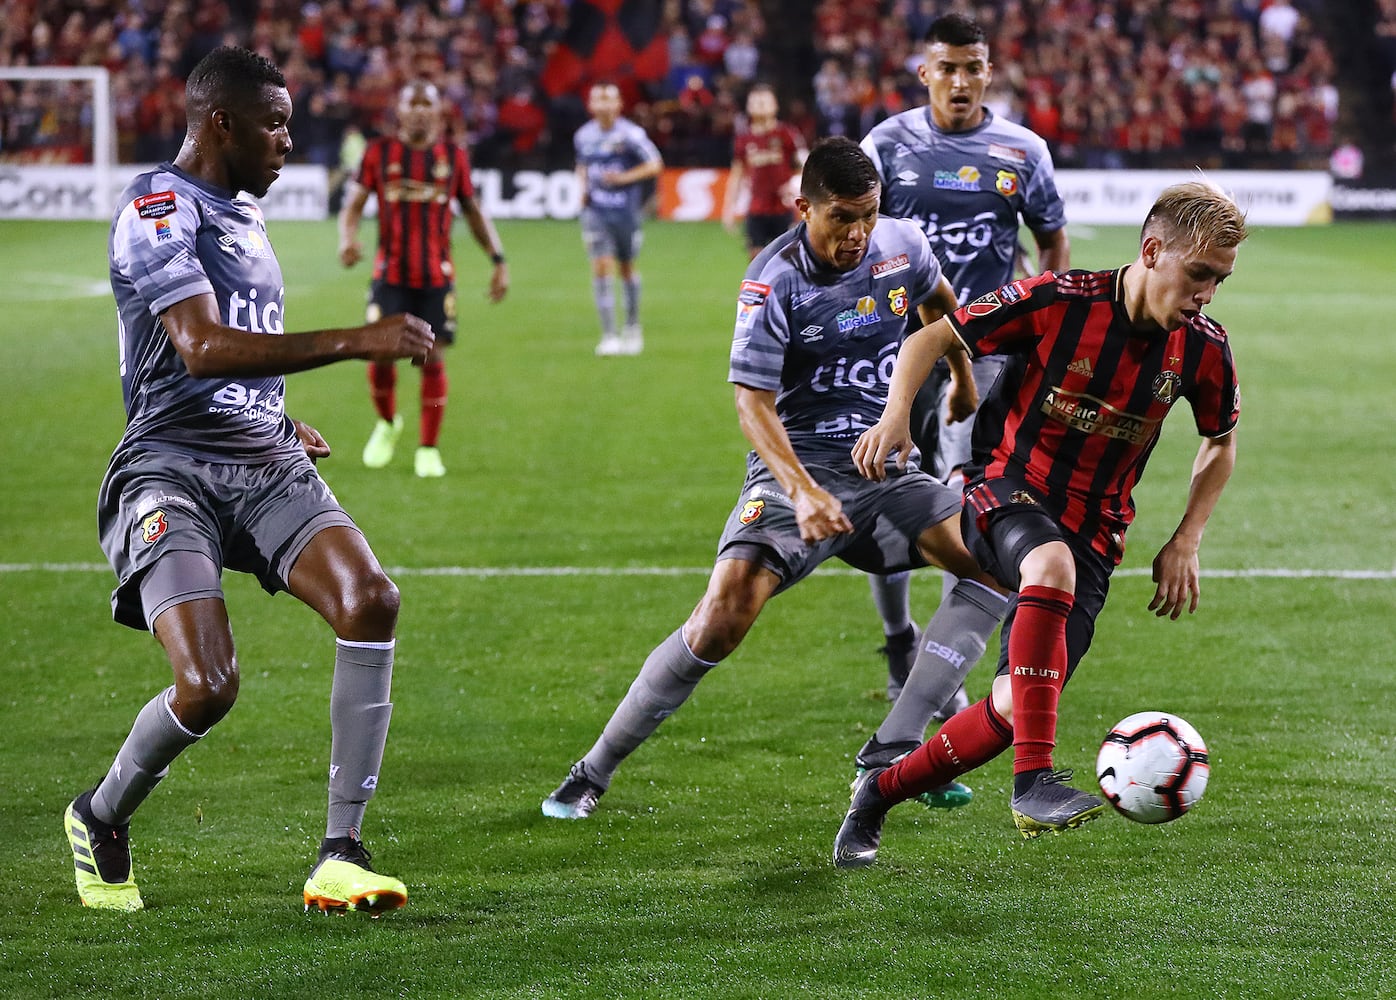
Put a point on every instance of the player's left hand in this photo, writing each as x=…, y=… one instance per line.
x=310, y=439
x=961, y=401
x=877, y=444
x=1176, y=573
x=499, y=282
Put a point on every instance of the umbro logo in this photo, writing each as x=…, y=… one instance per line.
x=1081, y=366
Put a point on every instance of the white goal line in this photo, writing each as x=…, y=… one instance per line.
x=484, y=572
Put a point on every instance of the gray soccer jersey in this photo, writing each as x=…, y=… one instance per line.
x=600, y=151
x=824, y=340
x=966, y=190
x=173, y=237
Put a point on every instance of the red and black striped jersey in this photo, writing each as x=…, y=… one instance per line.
x=415, y=188
x=1078, y=408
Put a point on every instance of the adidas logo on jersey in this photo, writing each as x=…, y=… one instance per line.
x=1081, y=366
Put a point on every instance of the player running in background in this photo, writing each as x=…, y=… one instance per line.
x=614, y=159
x=415, y=176
x=765, y=158
x=211, y=474
x=1096, y=361
x=966, y=177
x=819, y=320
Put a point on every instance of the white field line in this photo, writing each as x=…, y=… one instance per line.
x=487, y=572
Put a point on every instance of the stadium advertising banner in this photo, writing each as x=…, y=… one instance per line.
x=75, y=192
x=1269, y=197
x=1362, y=201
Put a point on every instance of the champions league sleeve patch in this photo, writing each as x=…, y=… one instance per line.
x=749, y=299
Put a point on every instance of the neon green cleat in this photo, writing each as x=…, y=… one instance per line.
x=379, y=450
x=342, y=880
x=429, y=464
x=101, y=859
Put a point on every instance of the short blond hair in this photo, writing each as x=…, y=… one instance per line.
x=1197, y=213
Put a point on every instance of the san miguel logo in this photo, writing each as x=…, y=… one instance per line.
x=153, y=527
x=896, y=298
x=751, y=510
x=1166, y=387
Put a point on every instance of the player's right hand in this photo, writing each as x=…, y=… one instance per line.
x=399, y=336
x=876, y=444
x=819, y=514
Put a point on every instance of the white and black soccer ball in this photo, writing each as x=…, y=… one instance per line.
x=1152, y=767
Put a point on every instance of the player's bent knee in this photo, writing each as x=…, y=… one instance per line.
x=204, y=693
x=369, y=608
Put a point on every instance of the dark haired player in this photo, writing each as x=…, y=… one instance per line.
x=1097, y=360
x=415, y=175
x=212, y=474
x=765, y=156
x=819, y=319
x=967, y=177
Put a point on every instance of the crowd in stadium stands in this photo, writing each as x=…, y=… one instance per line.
x=1107, y=82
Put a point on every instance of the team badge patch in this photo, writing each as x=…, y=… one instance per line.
x=1007, y=183
x=154, y=525
x=1021, y=496
x=1166, y=387
x=751, y=510
x=896, y=298
x=983, y=305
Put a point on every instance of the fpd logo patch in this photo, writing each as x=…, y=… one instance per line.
x=154, y=525
x=751, y=510
x=896, y=298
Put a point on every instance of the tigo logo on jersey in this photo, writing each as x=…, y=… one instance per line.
x=964, y=179
x=1007, y=183
x=863, y=314
x=153, y=527
x=897, y=299
x=751, y=510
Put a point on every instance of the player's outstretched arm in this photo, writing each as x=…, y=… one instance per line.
x=212, y=350
x=818, y=512
x=1176, y=567
x=349, y=216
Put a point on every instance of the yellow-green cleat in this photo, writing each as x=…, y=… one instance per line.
x=1050, y=805
x=379, y=450
x=101, y=859
x=428, y=463
x=343, y=880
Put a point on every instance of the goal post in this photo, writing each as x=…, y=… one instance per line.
x=103, y=146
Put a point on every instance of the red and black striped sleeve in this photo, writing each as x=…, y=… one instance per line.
x=1002, y=321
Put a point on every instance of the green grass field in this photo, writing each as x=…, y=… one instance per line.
x=573, y=532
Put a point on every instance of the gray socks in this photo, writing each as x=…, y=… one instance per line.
x=953, y=642
x=156, y=739
x=632, y=299
x=892, y=597
x=359, y=714
x=604, y=295
x=665, y=681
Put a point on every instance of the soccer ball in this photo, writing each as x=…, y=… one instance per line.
x=1152, y=767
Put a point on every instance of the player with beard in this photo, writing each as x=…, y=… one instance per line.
x=415, y=175
x=211, y=474
x=820, y=317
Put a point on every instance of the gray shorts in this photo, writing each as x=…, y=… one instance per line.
x=953, y=440
x=251, y=518
x=611, y=234
x=888, y=517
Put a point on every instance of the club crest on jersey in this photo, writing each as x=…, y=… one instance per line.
x=154, y=526
x=983, y=305
x=891, y=265
x=1166, y=387
x=1007, y=183
x=1021, y=496
x=863, y=314
x=964, y=179
x=751, y=510
x=898, y=301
